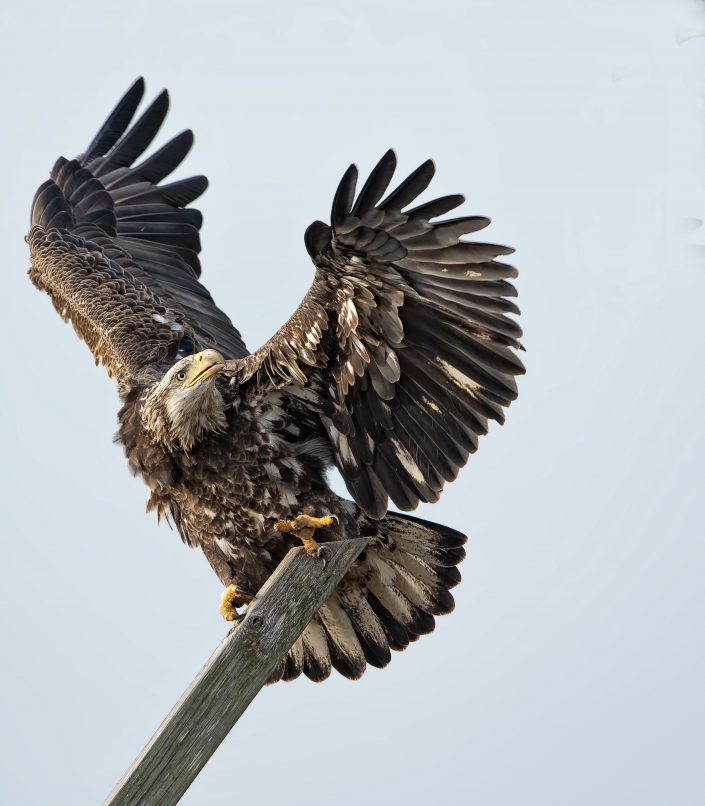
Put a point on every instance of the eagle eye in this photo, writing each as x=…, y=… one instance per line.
x=181, y=376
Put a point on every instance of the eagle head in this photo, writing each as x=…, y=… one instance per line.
x=186, y=405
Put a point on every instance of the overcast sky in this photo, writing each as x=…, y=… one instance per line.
x=572, y=669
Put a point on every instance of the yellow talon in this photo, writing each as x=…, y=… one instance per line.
x=232, y=598
x=302, y=521
x=304, y=527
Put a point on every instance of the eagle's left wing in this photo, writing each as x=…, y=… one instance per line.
x=402, y=346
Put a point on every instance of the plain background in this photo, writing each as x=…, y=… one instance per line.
x=572, y=669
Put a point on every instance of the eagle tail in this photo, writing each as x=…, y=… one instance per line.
x=387, y=600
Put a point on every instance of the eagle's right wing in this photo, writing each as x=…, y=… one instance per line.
x=118, y=252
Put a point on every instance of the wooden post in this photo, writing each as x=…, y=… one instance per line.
x=230, y=680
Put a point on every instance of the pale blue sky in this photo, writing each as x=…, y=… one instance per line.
x=571, y=671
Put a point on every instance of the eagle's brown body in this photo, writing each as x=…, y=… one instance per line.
x=389, y=369
x=225, y=501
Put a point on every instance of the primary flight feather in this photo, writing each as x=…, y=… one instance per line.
x=390, y=369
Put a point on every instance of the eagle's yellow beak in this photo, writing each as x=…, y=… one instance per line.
x=205, y=365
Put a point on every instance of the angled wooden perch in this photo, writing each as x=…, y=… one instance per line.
x=233, y=675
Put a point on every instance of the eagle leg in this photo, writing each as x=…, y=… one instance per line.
x=304, y=527
x=232, y=598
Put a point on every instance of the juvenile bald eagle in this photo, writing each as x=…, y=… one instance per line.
x=390, y=369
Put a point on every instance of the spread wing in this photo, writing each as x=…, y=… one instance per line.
x=118, y=252
x=402, y=347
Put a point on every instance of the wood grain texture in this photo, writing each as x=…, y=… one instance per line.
x=233, y=675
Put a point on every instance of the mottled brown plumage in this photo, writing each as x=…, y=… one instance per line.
x=390, y=369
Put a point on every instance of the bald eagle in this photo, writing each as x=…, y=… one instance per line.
x=390, y=369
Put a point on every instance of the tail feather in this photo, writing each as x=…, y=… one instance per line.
x=408, y=527
x=397, y=635
x=438, y=578
x=294, y=661
x=413, y=619
x=437, y=602
x=387, y=600
x=368, y=627
x=317, y=662
x=346, y=653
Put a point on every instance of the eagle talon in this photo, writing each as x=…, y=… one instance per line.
x=237, y=619
x=232, y=598
x=304, y=527
x=301, y=521
x=322, y=555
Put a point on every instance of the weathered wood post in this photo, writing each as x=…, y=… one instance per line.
x=233, y=675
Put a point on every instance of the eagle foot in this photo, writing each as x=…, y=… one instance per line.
x=304, y=527
x=232, y=598
x=302, y=521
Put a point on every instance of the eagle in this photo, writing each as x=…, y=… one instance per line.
x=392, y=366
